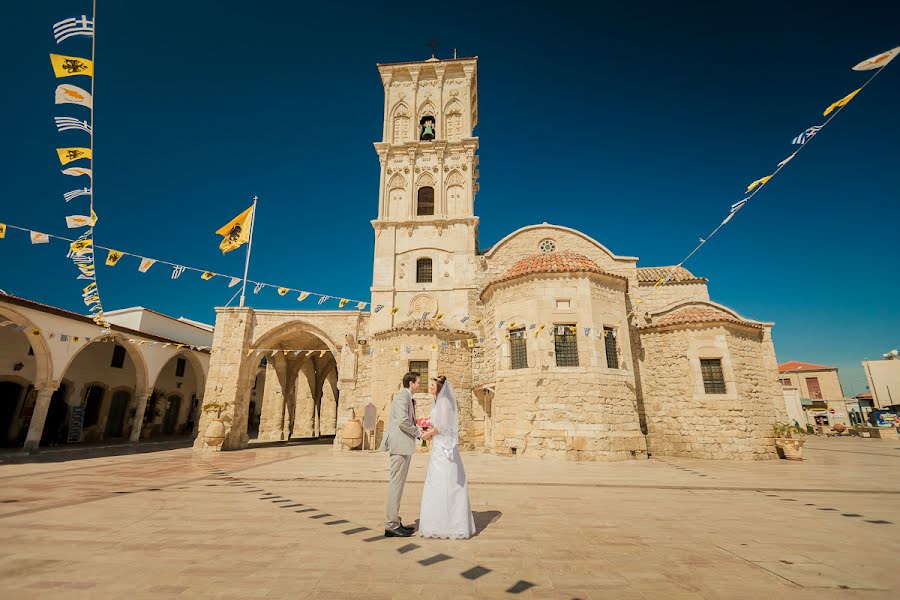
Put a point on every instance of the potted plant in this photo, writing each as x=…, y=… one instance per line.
x=215, y=431
x=789, y=439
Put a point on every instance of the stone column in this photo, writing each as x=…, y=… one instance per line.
x=271, y=418
x=305, y=405
x=139, y=411
x=231, y=372
x=38, y=418
x=328, y=411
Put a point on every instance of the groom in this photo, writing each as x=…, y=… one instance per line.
x=400, y=442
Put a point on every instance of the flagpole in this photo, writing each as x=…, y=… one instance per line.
x=249, y=247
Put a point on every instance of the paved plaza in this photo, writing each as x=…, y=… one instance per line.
x=303, y=522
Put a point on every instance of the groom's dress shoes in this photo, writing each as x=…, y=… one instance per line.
x=397, y=531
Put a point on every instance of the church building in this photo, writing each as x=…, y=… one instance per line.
x=557, y=347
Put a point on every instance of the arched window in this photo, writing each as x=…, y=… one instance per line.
x=425, y=201
x=400, y=125
x=423, y=270
x=453, y=119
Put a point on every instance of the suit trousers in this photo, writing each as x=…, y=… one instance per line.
x=399, y=469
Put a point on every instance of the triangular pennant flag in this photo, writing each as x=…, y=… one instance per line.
x=145, y=265
x=322, y=299
x=378, y=308
x=394, y=310
x=207, y=275
x=342, y=302
x=361, y=306
x=759, y=182
x=303, y=296
x=67, y=155
x=283, y=291
x=877, y=61
x=234, y=281
x=842, y=102
x=2, y=230
x=66, y=66
x=39, y=238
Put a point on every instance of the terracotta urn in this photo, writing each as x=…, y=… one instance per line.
x=792, y=448
x=351, y=437
x=215, y=433
x=839, y=427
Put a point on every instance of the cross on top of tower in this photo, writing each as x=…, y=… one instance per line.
x=433, y=44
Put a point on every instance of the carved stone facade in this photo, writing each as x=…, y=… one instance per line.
x=557, y=347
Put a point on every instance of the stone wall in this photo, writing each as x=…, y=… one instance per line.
x=573, y=415
x=665, y=295
x=683, y=420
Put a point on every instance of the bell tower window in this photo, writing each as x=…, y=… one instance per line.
x=427, y=124
x=425, y=201
x=423, y=270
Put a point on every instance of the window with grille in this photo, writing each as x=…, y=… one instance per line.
x=518, y=351
x=812, y=384
x=713, y=377
x=612, y=349
x=420, y=367
x=179, y=367
x=423, y=270
x=425, y=201
x=566, y=345
x=118, y=357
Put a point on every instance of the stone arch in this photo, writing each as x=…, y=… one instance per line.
x=400, y=123
x=396, y=196
x=424, y=179
x=43, y=360
x=455, y=194
x=187, y=396
x=453, y=119
x=133, y=352
x=427, y=108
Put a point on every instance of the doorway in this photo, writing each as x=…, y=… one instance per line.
x=170, y=421
x=10, y=393
x=115, y=421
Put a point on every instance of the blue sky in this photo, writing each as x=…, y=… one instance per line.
x=639, y=125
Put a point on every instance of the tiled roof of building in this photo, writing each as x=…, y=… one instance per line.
x=796, y=365
x=553, y=262
x=698, y=314
x=654, y=274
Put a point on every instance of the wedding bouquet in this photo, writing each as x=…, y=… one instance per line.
x=424, y=423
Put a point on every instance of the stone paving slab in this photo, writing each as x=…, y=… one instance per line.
x=304, y=522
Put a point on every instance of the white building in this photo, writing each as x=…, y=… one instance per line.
x=60, y=381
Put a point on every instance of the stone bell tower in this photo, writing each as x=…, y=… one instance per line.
x=426, y=229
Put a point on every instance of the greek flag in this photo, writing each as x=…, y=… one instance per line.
x=72, y=27
x=75, y=193
x=67, y=123
x=177, y=270
x=806, y=135
x=258, y=287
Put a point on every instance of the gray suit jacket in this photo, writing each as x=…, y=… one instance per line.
x=402, y=432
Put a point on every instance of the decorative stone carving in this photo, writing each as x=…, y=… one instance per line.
x=423, y=303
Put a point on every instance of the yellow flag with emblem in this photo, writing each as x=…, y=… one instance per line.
x=237, y=232
x=67, y=155
x=66, y=66
x=207, y=275
x=2, y=230
x=112, y=258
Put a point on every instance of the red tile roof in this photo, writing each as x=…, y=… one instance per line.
x=698, y=314
x=796, y=365
x=553, y=262
x=654, y=274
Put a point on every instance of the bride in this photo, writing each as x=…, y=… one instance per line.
x=445, y=511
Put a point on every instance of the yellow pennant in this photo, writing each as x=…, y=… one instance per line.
x=2, y=230
x=283, y=291
x=343, y=302
x=66, y=66
x=67, y=155
x=438, y=316
x=207, y=275
x=470, y=342
x=759, y=182
x=303, y=296
x=82, y=247
x=112, y=258
x=321, y=353
x=841, y=102
x=394, y=310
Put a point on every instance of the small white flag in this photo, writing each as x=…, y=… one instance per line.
x=76, y=171
x=71, y=27
x=68, y=123
x=75, y=193
x=877, y=61
x=72, y=94
x=146, y=263
x=234, y=281
x=738, y=205
x=39, y=238
x=787, y=160
x=177, y=270
x=73, y=221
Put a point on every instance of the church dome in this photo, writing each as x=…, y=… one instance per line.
x=552, y=262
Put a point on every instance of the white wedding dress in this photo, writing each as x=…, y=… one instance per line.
x=445, y=511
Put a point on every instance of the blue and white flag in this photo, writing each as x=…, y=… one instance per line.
x=67, y=123
x=71, y=27
x=177, y=270
x=75, y=193
x=322, y=300
x=738, y=205
x=806, y=135
x=258, y=287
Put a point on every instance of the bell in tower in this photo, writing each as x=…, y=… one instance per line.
x=427, y=123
